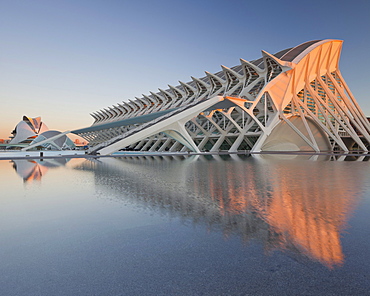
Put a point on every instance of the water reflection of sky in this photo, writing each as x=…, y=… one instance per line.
x=301, y=207
x=306, y=209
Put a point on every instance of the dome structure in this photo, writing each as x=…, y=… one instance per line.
x=60, y=143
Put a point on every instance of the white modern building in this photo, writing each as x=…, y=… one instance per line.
x=27, y=130
x=293, y=100
x=33, y=133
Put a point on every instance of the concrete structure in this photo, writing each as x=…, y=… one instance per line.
x=294, y=100
x=27, y=130
x=33, y=133
x=53, y=140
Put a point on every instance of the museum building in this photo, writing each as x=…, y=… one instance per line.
x=293, y=100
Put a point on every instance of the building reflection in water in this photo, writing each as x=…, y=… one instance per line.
x=34, y=170
x=299, y=206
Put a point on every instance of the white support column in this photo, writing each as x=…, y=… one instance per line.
x=173, y=122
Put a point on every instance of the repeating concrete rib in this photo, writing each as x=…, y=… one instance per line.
x=295, y=100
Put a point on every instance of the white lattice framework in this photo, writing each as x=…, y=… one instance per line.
x=295, y=100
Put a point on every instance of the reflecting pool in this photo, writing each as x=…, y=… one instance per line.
x=215, y=225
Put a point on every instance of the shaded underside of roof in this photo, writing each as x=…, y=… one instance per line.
x=135, y=120
x=288, y=54
x=295, y=51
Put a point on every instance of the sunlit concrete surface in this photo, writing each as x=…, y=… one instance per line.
x=293, y=100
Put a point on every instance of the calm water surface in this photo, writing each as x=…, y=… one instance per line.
x=268, y=225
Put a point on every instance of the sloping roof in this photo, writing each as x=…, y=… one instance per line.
x=295, y=51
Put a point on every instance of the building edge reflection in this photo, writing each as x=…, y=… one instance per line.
x=34, y=169
x=276, y=202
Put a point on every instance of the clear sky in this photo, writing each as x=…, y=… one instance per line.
x=62, y=60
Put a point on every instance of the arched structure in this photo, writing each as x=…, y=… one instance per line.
x=32, y=133
x=53, y=140
x=294, y=100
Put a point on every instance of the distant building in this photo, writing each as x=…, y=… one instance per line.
x=293, y=100
x=62, y=142
x=4, y=143
x=30, y=131
x=27, y=130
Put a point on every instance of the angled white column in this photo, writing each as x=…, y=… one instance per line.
x=173, y=123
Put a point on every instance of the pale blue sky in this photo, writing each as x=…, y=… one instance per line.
x=62, y=60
